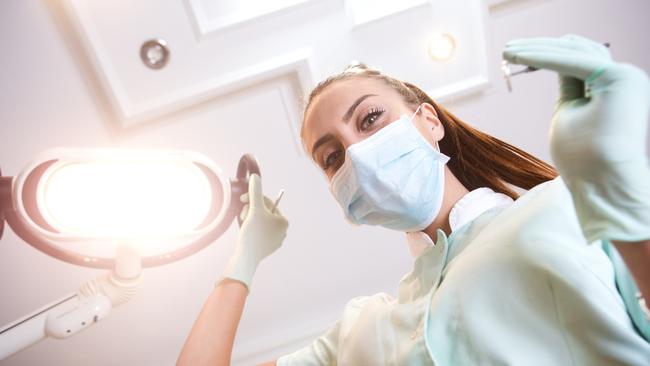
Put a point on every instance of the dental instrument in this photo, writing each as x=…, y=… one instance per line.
x=277, y=200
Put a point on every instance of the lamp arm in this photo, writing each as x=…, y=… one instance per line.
x=5, y=199
x=120, y=284
x=31, y=328
x=69, y=315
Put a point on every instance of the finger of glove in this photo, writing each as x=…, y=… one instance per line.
x=244, y=213
x=570, y=88
x=569, y=47
x=568, y=42
x=565, y=63
x=590, y=44
x=284, y=222
x=548, y=48
x=268, y=204
x=267, y=201
x=255, y=195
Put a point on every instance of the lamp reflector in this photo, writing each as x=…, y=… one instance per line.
x=130, y=199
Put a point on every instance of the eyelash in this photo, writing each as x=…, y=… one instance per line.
x=374, y=114
x=370, y=118
x=326, y=164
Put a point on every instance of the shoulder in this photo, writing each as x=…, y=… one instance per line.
x=534, y=249
x=542, y=218
x=359, y=302
x=537, y=234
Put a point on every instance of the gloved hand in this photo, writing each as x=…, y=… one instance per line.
x=261, y=233
x=598, y=133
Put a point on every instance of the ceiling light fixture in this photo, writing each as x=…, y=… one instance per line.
x=441, y=47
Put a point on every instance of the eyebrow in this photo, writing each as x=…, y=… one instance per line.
x=346, y=118
x=321, y=141
x=354, y=106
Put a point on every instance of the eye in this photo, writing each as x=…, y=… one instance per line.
x=370, y=119
x=331, y=159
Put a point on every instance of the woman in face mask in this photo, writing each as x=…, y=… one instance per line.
x=498, y=278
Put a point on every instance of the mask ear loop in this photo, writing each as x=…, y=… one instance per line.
x=414, y=114
x=438, y=147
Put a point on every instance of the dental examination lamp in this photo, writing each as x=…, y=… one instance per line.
x=115, y=209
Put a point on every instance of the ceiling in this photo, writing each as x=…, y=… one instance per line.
x=72, y=76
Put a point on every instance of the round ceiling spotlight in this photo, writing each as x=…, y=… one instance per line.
x=441, y=47
x=154, y=53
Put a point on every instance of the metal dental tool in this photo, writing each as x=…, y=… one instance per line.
x=277, y=200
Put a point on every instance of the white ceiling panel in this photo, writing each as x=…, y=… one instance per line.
x=240, y=44
x=72, y=76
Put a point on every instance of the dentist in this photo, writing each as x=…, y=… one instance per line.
x=498, y=278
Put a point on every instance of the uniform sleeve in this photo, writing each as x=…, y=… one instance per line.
x=625, y=283
x=322, y=352
x=628, y=290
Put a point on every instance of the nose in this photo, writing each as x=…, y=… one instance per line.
x=350, y=137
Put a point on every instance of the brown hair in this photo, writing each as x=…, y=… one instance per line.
x=476, y=158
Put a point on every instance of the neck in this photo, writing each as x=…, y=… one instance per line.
x=454, y=191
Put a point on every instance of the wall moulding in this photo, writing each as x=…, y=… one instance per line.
x=208, y=21
x=98, y=69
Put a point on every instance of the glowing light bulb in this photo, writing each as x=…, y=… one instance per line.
x=441, y=47
x=126, y=198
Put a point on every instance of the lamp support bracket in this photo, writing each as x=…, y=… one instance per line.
x=67, y=316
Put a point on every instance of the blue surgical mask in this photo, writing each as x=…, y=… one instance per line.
x=394, y=179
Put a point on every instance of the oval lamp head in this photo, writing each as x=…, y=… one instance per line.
x=79, y=204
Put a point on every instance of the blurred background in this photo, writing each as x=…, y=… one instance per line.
x=229, y=77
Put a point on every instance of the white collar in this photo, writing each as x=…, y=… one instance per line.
x=469, y=207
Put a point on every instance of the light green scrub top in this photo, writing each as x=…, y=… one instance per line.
x=517, y=285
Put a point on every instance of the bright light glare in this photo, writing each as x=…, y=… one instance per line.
x=441, y=46
x=127, y=199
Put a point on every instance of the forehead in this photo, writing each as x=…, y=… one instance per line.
x=330, y=105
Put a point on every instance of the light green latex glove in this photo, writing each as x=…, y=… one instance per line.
x=598, y=133
x=261, y=233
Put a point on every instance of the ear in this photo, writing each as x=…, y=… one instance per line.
x=429, y=116
x=429, y=112
x=428, y=124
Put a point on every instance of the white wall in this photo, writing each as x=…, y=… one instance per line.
x=45, y=101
